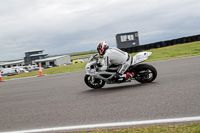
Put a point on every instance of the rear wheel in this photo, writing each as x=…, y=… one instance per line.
x=145, y=73
x=93, y=83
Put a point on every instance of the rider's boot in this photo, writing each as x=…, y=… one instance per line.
x=119, y=78
x=124, y=77
x=129, y=76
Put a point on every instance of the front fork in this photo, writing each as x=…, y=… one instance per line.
x=92, y=79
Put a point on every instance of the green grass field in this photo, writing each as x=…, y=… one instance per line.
x=176, y=51
x=164, y=53
x=186, y=128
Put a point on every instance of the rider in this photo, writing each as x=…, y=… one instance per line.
x=114, y=56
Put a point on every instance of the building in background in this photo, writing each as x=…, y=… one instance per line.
x=35, y=57
x=127, y=40
x=54, y=61
x=12, y=64
x=31, y=56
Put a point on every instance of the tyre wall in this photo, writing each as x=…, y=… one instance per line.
x=163, y=44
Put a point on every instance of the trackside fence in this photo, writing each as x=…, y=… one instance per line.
x=163, y=43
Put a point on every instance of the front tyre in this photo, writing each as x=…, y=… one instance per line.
x=145, y=73
x=93, y=83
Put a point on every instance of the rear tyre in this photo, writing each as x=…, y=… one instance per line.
x=145, y=73
x=96, y=84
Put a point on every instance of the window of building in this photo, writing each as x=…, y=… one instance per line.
x=127, y=38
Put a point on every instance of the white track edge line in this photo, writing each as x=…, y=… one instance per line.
x=118, y=124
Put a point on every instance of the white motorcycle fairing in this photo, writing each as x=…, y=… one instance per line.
x=140, y=57
x=144, y=73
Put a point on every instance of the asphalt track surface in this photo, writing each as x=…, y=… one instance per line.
x=64, y=99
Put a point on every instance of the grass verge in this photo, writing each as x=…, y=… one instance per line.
x=164, y=53
x=186, y=128
x=176, y=51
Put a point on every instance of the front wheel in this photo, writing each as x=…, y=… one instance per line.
x=93, y=83
x=145, y=73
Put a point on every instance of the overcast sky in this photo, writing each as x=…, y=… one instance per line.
x=66, y=26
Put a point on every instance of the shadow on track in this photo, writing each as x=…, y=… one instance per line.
x=119, y=88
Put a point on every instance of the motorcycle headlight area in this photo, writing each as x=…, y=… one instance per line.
x=87, y=68
x=90, y=69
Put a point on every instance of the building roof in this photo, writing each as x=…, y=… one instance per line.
x=128, y=33
x=12, y=62
x=34, y=51
x=50, y=58
x=38, y=54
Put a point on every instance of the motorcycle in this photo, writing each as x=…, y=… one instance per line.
x=143, y=73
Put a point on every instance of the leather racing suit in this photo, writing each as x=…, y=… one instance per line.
x=117, y=57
